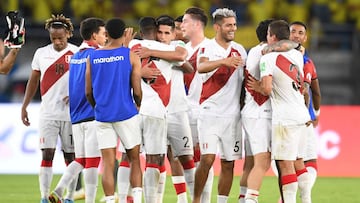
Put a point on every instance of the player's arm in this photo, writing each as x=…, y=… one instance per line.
x=280, y=46
x=136, y=78
x=206, y=66
x=264, y=86
x=8, y=62
x=316, y=99
x=186, y=67
x=305, y=92
x=31, y=88
x=179, y=54
x=88, y=84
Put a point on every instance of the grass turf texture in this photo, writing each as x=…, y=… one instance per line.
x=25, y=188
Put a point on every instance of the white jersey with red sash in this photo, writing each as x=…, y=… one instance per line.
x=220, y=95
x=54, y=80
x=256, y=104
x=193, y=81
x=156, y=93
x=287, y=100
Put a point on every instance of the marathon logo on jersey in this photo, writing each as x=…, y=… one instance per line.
x=78, y=61
x=68, y=58
x=108, y=59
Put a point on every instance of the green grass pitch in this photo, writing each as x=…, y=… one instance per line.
x=25, y=188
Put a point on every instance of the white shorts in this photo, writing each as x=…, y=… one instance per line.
x=257, y=135
x=128, y=131
x=194, y=133
x=288, y=142
x=154, y=135
x=49, y=131
x=311, y=144
x=179, y=134
x=222, y=132
x=85, y=140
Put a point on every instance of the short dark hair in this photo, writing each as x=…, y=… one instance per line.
x=261, y=30
x=115, y=28
x=197, y=14
x=90, y=26
x=279, y=28
x=147, y=25
x=165, y=20
x=298, y=23
x=179, y=19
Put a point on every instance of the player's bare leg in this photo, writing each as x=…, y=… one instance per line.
x=201, y=175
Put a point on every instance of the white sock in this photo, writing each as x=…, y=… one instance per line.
x=151, y=182
x=91, y=183
x=304, y=187
x=161, y=187
x=189, y=175
x=206, y=194
x=243, y=190
x=312, y=175
x=71, y=188
x=123, y=182
x=45, y=178
x=222, y=199
x=251, y=196
x=71, y=172
x=137, y=194
x=180, y=188
x=289, y=192
x=110, y=199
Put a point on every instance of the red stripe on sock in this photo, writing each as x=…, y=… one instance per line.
x=45, y=163
x=162, y=168
x=254, y=194
x=124, y=164
x=311, y=164
x=81, y=161
x=197, y=155
x=189, y=165
x=92, y=162
x=288, y=179
x=241, y=196
x=148, y=165
x=180, y=188
x=301, y=171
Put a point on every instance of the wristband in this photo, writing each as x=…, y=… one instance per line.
x=317, y=113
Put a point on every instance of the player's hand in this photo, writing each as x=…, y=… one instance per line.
x=309, y=123
x=143, y=52
x=253, y=84
x=316, y=121
x=234, y=61
x=129, y=35
x=24, y=117
x=66, y=100
x=150, y=73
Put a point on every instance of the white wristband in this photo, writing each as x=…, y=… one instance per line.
x=317, y=113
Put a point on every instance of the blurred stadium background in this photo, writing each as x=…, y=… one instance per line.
x=334, y=27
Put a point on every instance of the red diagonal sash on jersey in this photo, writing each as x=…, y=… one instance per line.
x=55, y=72
x=161, y=87
x=258, y=97
x=291, y=70
x=188, y=77
x=217, y=80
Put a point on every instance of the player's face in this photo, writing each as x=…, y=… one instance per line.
x=59, y=37
x=298, y=33
x=227, y=29
x=165, y=34
x=100, y=37
x=187, y=26
x=178, y=32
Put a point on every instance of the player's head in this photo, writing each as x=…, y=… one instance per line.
x=224, y=24
x=148, y=28
x=298, y=32
x=115, y=28
x=278, y=30
x=93, y=29
x=261, y=29
x=165, y=29
x=60, y=29
x=178, y=32
x=194, y=21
